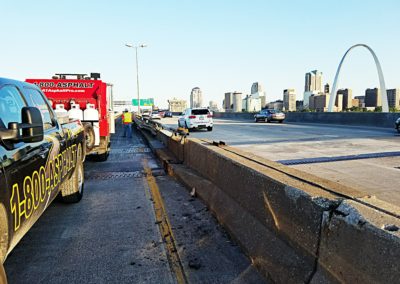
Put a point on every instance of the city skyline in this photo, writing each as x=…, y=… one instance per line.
x=213, y=54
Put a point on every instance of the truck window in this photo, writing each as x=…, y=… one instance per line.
x=11, y=104
x=35, y=99
x=200, y=111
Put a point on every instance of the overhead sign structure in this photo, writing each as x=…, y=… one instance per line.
x=143, y=102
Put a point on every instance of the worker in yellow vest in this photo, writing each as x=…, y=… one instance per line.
x=127, y=122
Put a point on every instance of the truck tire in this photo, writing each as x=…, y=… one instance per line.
x=90, y=137
x=72, y=189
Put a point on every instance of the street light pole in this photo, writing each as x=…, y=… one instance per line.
x=137, y=70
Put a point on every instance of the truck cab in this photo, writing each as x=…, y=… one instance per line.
x=39, y=159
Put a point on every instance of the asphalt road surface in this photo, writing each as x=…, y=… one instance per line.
x=113, y=234
x=324, y=150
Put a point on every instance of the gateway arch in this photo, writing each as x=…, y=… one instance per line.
x=385, y=106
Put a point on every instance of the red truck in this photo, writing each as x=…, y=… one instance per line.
x=87, y=98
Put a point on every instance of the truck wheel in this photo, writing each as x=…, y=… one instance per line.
x=398, y=129
x=209, y=128
x=89, y=135
x=72, y=189
x=3, y=277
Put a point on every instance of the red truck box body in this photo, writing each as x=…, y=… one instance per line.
x=62, y=91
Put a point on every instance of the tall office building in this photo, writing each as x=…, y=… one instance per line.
x=394, y=98
x=289, y=100
x=313, y=81
x=347, y=98
x=321, y=102
x=228, y=102
x=237, y=102
x=196, y=98
x=326, y=88
x=257, y=91
x=257, y=88
x=373, y=97
x=339, y=103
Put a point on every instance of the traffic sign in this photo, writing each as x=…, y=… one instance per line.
x=143, y=102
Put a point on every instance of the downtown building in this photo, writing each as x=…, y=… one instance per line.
x=213, y=105
x=347, y=98
x=312, y=86
x=393, y=96
x=228, y=102
x=177, y=105
x=373, y=98
x=196, y=98
x=233, y=102
x=256, y=100
x=276, y=105
x=289, y=100
x=237, y=102
x=359, y=101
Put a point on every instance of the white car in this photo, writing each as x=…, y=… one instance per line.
x=155, y=115
x=196, y=118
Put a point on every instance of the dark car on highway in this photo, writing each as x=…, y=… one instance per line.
x=168, y=113
x=268, y=115
x=40, y=158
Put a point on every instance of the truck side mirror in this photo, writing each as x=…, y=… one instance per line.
x=31, y=126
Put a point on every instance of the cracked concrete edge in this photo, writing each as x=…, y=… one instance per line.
x=357, y=246
x=324, y=268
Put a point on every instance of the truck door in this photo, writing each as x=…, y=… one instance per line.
x=4, y=220
x=21, y=164
x=55, y=141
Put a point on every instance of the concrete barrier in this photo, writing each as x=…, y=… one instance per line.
x=374, y=119
x=294, y=227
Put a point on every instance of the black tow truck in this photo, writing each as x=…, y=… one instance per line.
x=39, y=160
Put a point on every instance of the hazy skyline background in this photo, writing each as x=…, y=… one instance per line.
x=219, y=46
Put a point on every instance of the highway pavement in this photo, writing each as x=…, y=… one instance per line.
x=115, y=233
x=365, y=158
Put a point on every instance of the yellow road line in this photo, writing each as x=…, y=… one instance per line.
x=165, y=227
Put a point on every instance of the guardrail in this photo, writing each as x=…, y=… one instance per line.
x=374, y=119
x=295, y=227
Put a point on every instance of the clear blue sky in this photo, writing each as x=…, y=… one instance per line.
x=219, y=46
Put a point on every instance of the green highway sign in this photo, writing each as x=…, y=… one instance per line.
x=143, y=102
